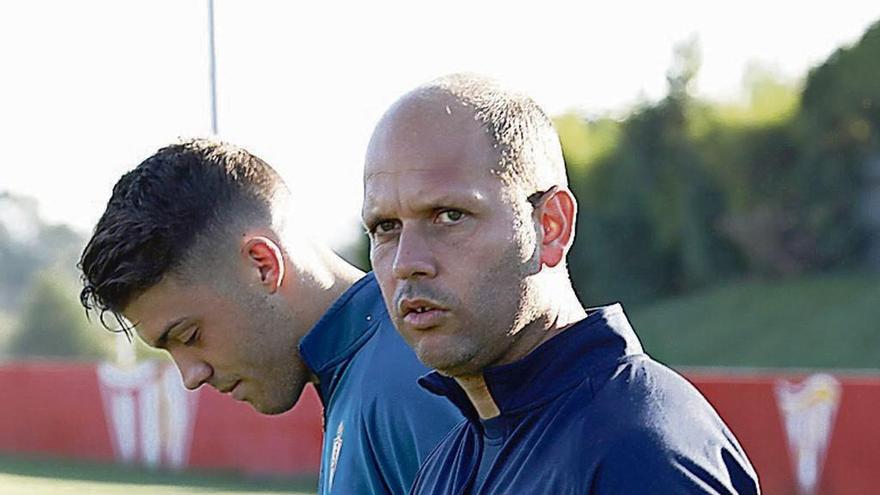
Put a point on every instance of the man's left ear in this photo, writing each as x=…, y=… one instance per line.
x=265, y=256
x=556, y=216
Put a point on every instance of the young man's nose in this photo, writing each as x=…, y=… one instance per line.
x=193, y=372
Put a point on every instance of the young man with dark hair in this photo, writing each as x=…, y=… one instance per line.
x=199, y=252
x=470, y=217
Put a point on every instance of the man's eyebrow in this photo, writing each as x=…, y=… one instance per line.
x=430, y=203
x=429, y=199
x=163, y=339
x=424, y=203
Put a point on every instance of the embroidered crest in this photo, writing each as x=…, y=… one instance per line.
x=808, y=410
x=334, y=454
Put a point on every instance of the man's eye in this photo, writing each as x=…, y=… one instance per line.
x=450, y=216
x=385, y=226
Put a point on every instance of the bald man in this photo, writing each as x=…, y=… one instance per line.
x=470, y=218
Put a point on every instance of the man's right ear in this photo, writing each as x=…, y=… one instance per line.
x=264, y=255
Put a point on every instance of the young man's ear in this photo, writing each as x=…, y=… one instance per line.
x=556, y=215
x=265, y=256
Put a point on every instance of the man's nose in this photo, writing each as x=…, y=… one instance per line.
x=193, y=372
x=414, y=257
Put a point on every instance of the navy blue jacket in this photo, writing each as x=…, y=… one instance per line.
x=587, y=412
x=378, y=423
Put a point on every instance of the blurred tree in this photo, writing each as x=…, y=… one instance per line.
x=7, y=324
x=839, y=127
x=686, y=62
x=52, y=324
x=357, y=252
x=586, y=142
x=841, y=97
x=60, y=246
x=647, y=207
x=751, y=152
x=28, y=245
x=16, y=261
x=683, y=193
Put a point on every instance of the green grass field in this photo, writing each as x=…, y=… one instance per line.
x=20, y=476
x=829, y=321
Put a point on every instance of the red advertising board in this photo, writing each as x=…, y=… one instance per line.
x=805, y=433
x=66, y=410
x=785, y=446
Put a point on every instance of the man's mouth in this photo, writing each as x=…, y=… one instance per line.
x=421, y=314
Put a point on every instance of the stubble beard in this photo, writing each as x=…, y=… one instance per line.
x=276, y=356
x=495, y=338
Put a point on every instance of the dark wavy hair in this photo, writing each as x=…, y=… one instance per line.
x=158, y=211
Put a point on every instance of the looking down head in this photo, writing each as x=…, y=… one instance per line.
x=188, y=253
x=186, y=192
x=470, y=218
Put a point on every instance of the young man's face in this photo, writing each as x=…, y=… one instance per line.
x=449, y=250
x=238, y=344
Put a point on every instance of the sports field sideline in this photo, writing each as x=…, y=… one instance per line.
x=44, y=477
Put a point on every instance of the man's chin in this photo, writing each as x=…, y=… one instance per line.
x=271, y=409
x=278, y=403
x=445, y=363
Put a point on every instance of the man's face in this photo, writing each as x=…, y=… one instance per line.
x=450, y=252
x=231, y=339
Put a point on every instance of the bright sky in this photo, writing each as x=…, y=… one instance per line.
x=91, y=88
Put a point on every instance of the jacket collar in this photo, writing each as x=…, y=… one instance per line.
x=344, y=327
x=590, y=346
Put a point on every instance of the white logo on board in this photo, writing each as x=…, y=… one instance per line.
x=808, y=410
x=149, y=413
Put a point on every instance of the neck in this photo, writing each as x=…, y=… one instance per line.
x=478, y=393
x=560, y=310
x=564, y=310
x=316, y=278
x=321, y=277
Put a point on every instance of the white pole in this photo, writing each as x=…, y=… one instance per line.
x=213, y=67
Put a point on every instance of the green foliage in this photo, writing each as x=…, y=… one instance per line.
x=841, y=99
x=28, y=246
x=839, y=127
x=771, y=101
x=684, y=193
x=358, y=251
x=52, y=324
x=40, y=314
x=646, y=213
x=686, y=64
x=647, y=207
x=7, y=324
x=16, y=268
x=586, y=142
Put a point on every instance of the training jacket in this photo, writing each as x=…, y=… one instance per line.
x=378, y=423
x=587, y=412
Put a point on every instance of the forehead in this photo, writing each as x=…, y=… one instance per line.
x=164, y=303
x=433, y=145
